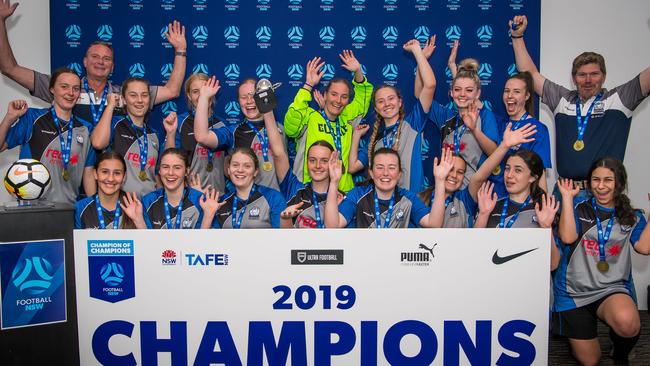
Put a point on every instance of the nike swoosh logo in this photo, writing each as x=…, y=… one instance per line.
x=496, y=259
x=22, y=172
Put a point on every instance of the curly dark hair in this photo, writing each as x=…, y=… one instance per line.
x=625, y=213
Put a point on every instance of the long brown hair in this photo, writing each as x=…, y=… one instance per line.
x=624, y=211
x=379, y=119
x=127, y=223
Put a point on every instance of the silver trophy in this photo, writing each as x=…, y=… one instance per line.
x=265, y=99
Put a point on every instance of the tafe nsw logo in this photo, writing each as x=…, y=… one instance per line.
x=23, y=279
x=422, y=257
x=105, y=32
x=207, y=259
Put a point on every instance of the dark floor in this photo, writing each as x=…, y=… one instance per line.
x=559, y=353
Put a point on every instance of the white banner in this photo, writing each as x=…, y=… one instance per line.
x=313, y=297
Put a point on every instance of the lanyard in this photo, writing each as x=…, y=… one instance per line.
x=449, y=199
x=602, y=237
x=389, y=213
x=65, y=147
x=314, y=201
x=237, y=219
x=458, y=135
x=336, y=136
x=517, y=124
x=264, y=140
x=504, y=212
x=392, y=131
x=100, y=214
x=582, y=122
x=179, y=212
x=97, y=114
x=143, y=145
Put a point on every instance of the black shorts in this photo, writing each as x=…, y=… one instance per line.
x=579, y=323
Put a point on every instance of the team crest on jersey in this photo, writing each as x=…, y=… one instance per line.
x=254, y=212
x=187, y=223
x=599, y=107
x=535, y=219
x=399, y=216
x=80, y=139
x=626, y=228
x=453, y=211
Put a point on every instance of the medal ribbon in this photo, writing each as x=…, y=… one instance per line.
x=65, y=147
x=458, y=134
x=100, y=214
x=504, y=212
x=389, y=213
x=179, y=212
x=314, y=201
x=237, y=219
x=602, y=237
x=264, y=140
x=336, y=136
x=582, y=123
x=97, y=114
x=392, y=131
x=143, y=145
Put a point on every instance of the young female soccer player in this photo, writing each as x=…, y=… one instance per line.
x=594, y=280
x=249, y=206
x=334, y=123
x=55, y=137
x=102, y=210
x=131, y=136
x=396, y=130
x=175, y=205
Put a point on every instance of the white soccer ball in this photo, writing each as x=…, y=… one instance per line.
x=27, y=179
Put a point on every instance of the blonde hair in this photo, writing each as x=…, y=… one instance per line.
x=468, y=69
x=188, y=84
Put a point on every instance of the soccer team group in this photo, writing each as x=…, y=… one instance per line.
x=491, y=172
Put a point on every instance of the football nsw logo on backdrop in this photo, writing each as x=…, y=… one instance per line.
x=327, y=35
x=200, y=35
x=232, y=72
x=294, y=35
x=105, y=33
x=484, y=34
x=73, y=35
x=263, y=71
x=111, y=270
x=358, y=35
x=136, y=34
x=137, y=70
x=453, y=34
x=295, y=73
x=231, y=36
x=32, y=285
x=390, y=35
x=263, y=35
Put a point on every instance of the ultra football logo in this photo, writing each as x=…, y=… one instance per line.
x=111, y=270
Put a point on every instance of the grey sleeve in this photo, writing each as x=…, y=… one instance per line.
x=552, y=94
x=42, y=87
x=630, y=93
x=153, y=91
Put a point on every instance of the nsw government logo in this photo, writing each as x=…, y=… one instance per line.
x=136, y=34
x=453, y=34
x=358, y=5
x=390, y=5
x=232, y=72
x=390, y=35
x=137, y=70
x=73, y=34
x=111, y=270
x=168, y=258
x=232, y=5
x=105, y=32
x=167, y=4
x=295, y=34
x=358, y=35
x=484, y=34
x=263, y=35
x=200, y=35
x=316, y=256
x=32, y=283
x=295, y=73
x=231, y=35
x=422, y=257
x=327, y=35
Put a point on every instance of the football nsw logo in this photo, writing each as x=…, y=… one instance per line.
x=105, y=33
x=422, y=33
x=263, y=35
x=294, y=35
x=231, y=35
x=232, y=72
x=453, y=34
x=295, y=73
x=200, y=35
x=136, y=34
x=358, y=35
x=200, y=68
x=390, y=72
x=232, y=109
x=111, y=270
x=390, y=35
x=327, y=35
x=137, y=70
x=23, y=279
x=73, y=35
x=484, y=34
x=112, y=274
x=263, y=71
x=166, y=70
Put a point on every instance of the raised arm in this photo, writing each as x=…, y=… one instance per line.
x=354, y=164
x=522, y=57
x=276, y=142
x=427, y=51
x=644, y=78
x=642, y=245
x=424, y=71
x=487, y=200
x=101, y=136
x=298, y=112
x=470, y=119
x=170, y=123
x=332, y=217
x=451, y=61
x=567, y=227
x=362, y=88
x=202, y=132
x=15, y=110
x=441, y=169
x=176, y=37
x=8, y=64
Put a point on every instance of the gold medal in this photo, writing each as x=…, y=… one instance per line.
x=210, y=167
x=603, y=266
x=497, y=170
x=66, y=175
x=142, y=175
x=267, y=166
x=578, y=145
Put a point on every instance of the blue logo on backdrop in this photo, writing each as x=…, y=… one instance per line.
x=263, y=2
x=137, y=70
x=295, y=34
x=422, y=33
x=390, y=5
x=231, y=34
x=76, y=67
x=484, y=33
x=487, y=104
x=136, y=33
x=169, y=107
x=295, y=72
x=326, y=34
x=73, y=32
x=485, y=4
x=231, y=71
x=111, y=270
x=512, y=69
x=32, y=286
x=295, y=2
x=232, y=2
x=166, y=70
x=200, y=33
x=105, y=32
x=358, y=34
x=453, y=33
x=200, y=68
x=358, y=2
x=390, y=34
x=448, y=73
x=263, y=71
x=327, y=2
x=232, y=109
x=390, y=71
x=484, y=73
x=327, y=5
x=263, y=33
x=329, y=72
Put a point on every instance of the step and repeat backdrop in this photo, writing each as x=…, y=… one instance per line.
x=274, y=39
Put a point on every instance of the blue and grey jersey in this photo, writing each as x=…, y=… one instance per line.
x=85, y=215
x=461, y=210
x=38, y=138
x=262, y=211
x=358, y=208
x=577, y=281
x=526, y=218
x=295, y=192
x=409, y=147
x=607, y=130
x=190, y=210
